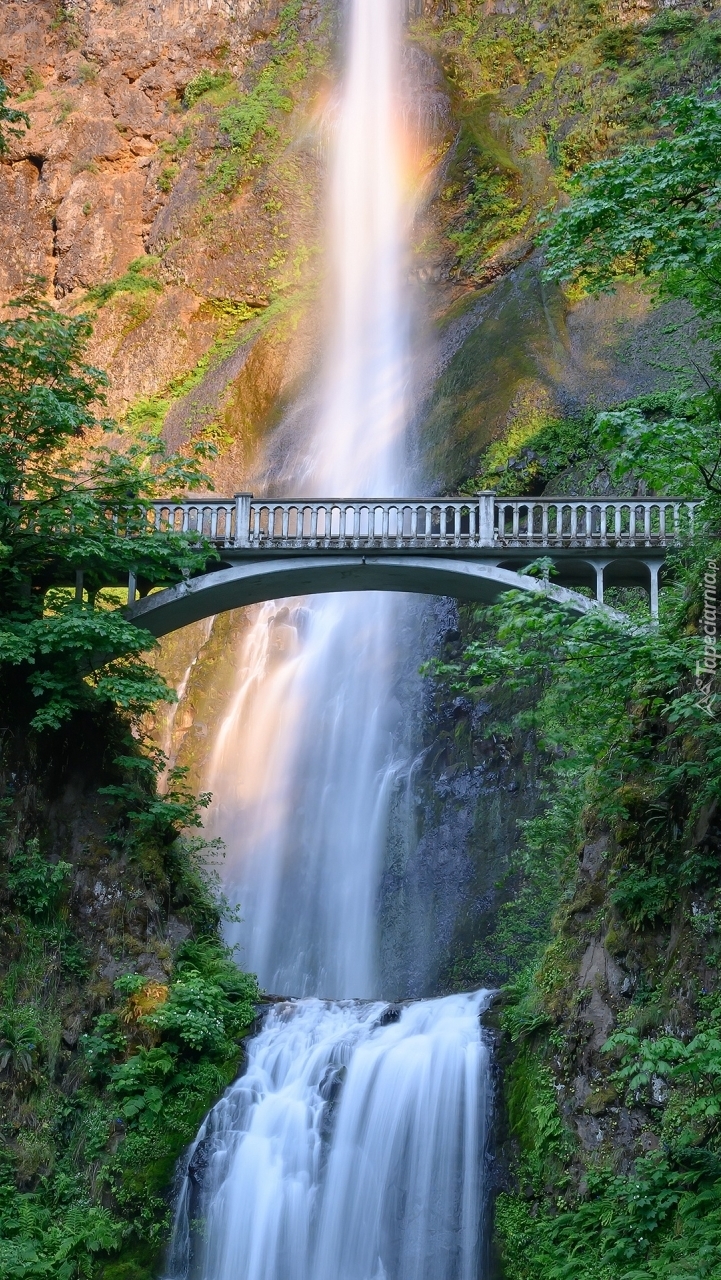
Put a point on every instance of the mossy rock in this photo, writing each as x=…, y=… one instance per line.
x=138, y=1263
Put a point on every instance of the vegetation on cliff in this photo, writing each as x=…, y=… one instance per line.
x=613, y=1029
x=121, y=1011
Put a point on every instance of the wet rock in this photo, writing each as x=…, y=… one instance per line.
x=593, y=856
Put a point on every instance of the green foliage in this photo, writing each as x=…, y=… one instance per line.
x=205, y=81
x=242, y=121
x=612, y=702
x=154, y=1063
x=140, y=278
x=659, y=1224
x=20, y=1042
x=11, y=120
x=53, y=1242
x=36, y=885
x=691, y=1069
x=103, y=1044
x=491, y=211
x=652, y=210
x=250, y=120
x=534, y=1119
x=537, y=451
x=167, y=177
x=68, y=505
x=671, y=440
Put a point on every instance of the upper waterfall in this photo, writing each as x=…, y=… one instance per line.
x=303, y=767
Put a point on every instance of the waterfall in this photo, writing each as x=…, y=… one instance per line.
x=351, y=1149
x=303, y=764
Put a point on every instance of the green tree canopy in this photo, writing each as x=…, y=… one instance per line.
x=653, y=211
x=74, y=492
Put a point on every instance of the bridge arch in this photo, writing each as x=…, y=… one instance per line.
x=273, y=579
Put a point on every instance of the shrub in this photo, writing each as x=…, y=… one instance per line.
x=205, y=81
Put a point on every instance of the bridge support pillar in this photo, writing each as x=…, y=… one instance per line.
x=132, y=586
x=242, y=519
x=654, y=568
x=599, y=566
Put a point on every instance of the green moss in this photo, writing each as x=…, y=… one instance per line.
x=205, y=82
x=141, y=277
x=90, y=1137
x=474, y=397
x=167, y=177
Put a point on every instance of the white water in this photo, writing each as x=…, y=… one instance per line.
x=352, y=1146
x=303, y=764
x=349, y=1150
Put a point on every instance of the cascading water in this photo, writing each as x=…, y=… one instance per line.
x=303, y=764
x=352, y=1146
x=393, y=1196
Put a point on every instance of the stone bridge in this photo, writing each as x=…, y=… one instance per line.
x=471, y=548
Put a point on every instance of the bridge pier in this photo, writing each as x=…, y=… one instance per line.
x=599, y=566
x=654, y=569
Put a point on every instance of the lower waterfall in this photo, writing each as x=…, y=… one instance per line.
x=350, y=1149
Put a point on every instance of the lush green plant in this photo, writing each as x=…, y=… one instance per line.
x=154, y=1061
x=652, y=211
x=614, y=705
x=660, y=1224
x=205, y=81
x=242, y=121
x=36, y=885
x=20, y=1041
x=70, y=505
x=670, y=440
x=140, y=278
x=691, y=1067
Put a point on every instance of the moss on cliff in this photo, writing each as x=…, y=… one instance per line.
x=121, y=1012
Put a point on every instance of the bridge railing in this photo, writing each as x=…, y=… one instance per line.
x=592, y=522
x=427, y=523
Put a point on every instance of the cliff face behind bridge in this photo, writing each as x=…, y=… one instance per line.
x=172, y=182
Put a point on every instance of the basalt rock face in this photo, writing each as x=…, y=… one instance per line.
x=99, y=81
x=454, y=821
x=138, y=192
x=122, y=167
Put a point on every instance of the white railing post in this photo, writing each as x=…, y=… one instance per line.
x=242, y=519
x=486, y=499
